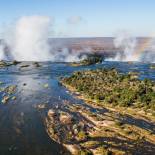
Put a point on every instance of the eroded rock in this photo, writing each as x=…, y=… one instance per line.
x=65, y=118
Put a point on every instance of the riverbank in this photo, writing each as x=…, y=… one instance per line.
x=131, y=124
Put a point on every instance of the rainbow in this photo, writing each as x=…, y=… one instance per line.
x=140, y=49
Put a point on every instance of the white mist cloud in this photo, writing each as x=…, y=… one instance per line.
x=149, y=54
x=31, y=39
x=127, y=44
x=2, y=53
x=28, y=40
x=74, y=20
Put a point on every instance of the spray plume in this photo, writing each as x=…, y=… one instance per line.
x=130, y=50
x=30, y=42
x=127, y=45
x=31, y=39
x=2, y=53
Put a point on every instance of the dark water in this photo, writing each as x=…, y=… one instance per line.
x=22, y=128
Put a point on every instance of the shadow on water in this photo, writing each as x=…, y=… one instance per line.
x=140, y=148
x=141, y=123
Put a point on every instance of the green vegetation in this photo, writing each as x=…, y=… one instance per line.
x=107, y=86
x=90, y=60
x=81, y=135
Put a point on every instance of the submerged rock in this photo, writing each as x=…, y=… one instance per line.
x=36, y=64
x=5, y=99
x=46, y=85
x=14, y=98
x=15, y=62
x=10, y=89
x=1, y=83
x=3, y=64
x=65, y=118
x=8, y=92
x=41, y=106
x=24, y=84
x=51, y=113
x=8, y=63
x=24, y=66
x=152, y=66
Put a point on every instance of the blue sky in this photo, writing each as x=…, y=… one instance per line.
x=98, y=17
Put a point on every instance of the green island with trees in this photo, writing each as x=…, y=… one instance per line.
x=89, y=60
x=108, y=86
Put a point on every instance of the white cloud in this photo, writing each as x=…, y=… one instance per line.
x=74, y=20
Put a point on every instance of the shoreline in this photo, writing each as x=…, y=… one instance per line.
x=123, y=111
x=110, y=107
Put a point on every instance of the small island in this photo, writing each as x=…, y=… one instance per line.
x=104, y=86
x=89, y=60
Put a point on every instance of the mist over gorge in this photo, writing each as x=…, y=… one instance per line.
x=29, y=41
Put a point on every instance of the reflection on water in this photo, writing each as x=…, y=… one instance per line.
x=21, y=126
